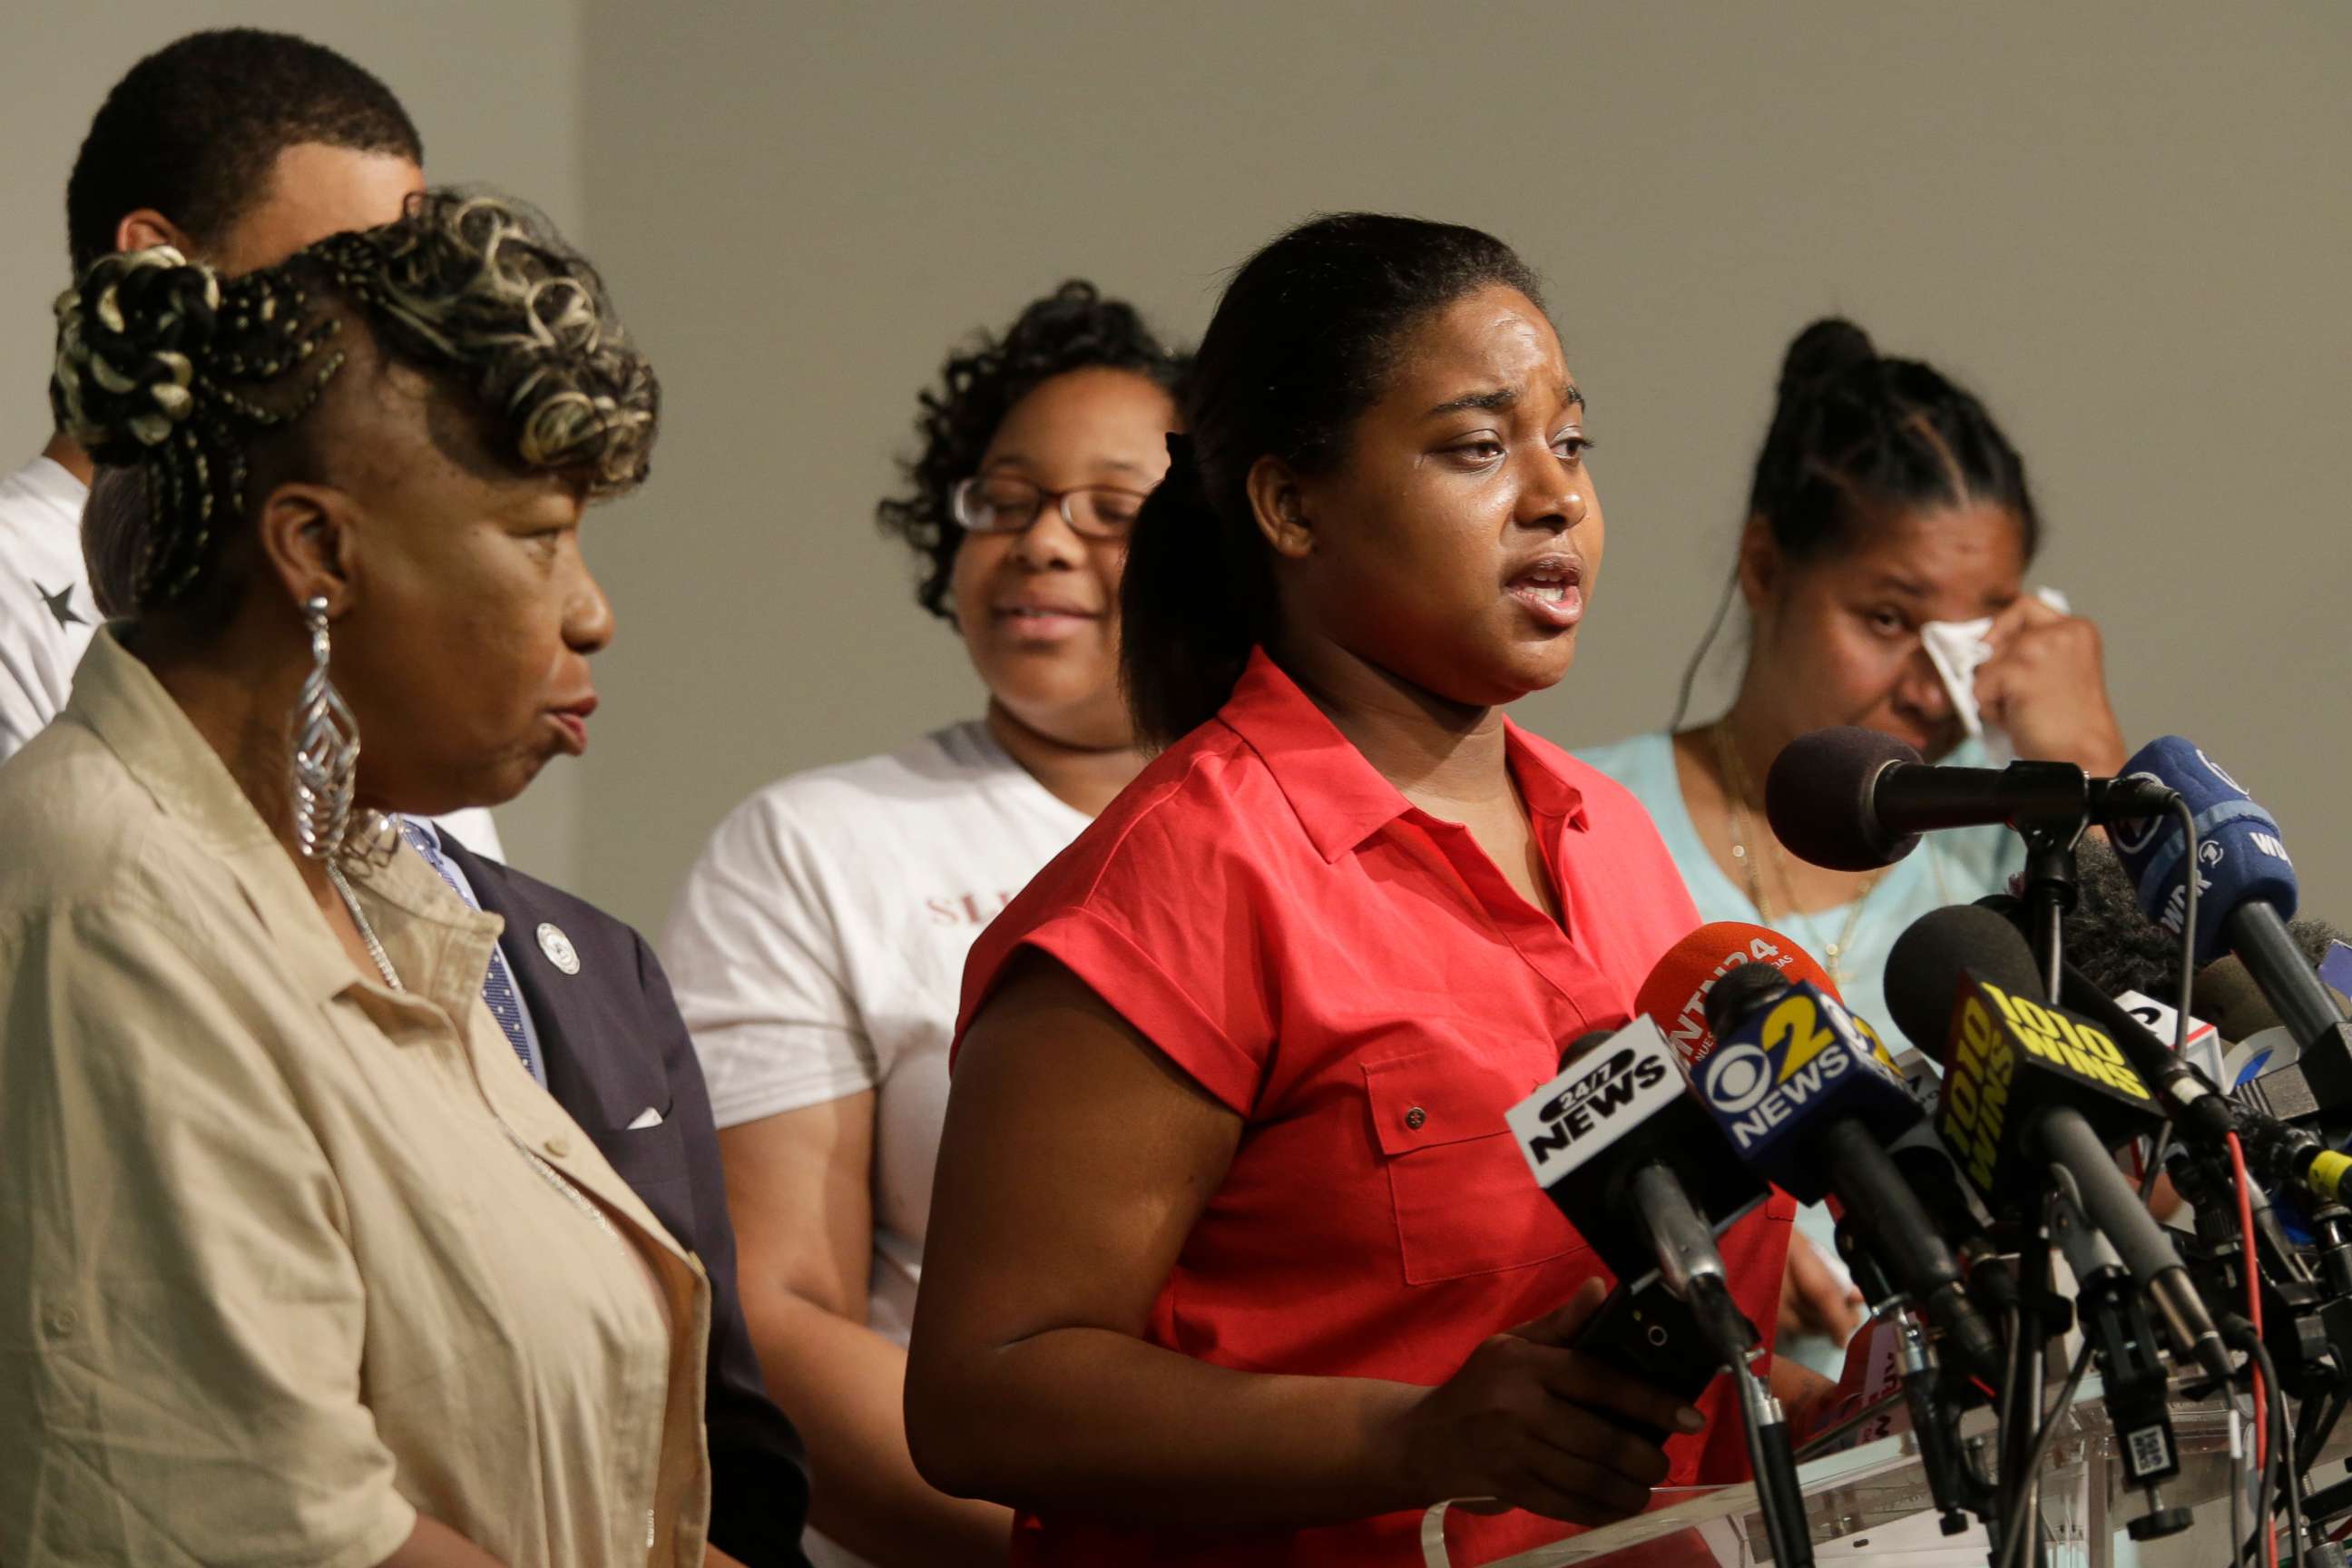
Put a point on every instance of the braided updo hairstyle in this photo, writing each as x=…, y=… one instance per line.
x=164, y=366
x=1859, y=439
x=1074, y=327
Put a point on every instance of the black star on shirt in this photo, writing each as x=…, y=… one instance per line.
x=60, y=604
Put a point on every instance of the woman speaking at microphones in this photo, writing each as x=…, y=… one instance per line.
x=1231, y=1257
x=1883, y=565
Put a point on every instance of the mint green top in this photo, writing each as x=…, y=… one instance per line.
x=1950, y=867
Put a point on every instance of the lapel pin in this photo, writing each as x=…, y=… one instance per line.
x=558, y=947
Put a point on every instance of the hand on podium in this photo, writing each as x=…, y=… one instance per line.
x=1528, y=1423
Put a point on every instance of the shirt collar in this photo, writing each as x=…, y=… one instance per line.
x=1340, y=797
x=118, y=698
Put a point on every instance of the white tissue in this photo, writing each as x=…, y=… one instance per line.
x=1957, y=648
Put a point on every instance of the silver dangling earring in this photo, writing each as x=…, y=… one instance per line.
x=326, y=757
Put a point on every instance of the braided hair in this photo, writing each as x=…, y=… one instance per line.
x=166, y=366
x=1074, y=327
x=1858, y=438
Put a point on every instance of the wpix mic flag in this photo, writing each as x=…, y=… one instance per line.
x=2009, y=1055
x=2240, y=854
x=1795, y=1064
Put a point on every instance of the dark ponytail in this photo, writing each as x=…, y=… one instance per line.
x=1857, y=440
x=1301, y=346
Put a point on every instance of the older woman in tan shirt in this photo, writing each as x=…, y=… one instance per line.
x=297, y=1262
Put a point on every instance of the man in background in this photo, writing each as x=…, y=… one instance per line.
x=238, y=147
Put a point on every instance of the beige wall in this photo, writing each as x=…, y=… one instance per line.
x=495, y=88
x=2126, y=225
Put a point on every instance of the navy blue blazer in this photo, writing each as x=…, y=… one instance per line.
x=614, y=1047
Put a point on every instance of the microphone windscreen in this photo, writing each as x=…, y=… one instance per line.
x=2239, y=855
x=1738, y=993
x=1818, y=798
x=1583, y=1043
x=2116, y=948
x=1674, y=995
x=2226, y=995
x=1929, y=960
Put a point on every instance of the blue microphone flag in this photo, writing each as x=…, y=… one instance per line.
x=2240, y=852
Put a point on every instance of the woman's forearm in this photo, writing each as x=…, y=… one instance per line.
x=842, y=1384
x=1086, y=1420
x=433, y=1544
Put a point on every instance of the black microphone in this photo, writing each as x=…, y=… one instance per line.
x=1854, y=800
x=2114, y=936
x=1809, y=1103
x=1620, y=1148
x=2027, y=1086
x=2194, y=1104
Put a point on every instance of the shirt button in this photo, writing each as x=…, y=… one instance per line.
x=62, y=1320
x=1415, y=1117
x=559, y=1145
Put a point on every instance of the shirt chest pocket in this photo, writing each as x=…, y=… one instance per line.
x=1463, y=1198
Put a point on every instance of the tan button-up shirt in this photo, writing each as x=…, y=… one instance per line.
x=286, y=1256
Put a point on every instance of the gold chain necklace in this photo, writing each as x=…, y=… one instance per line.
x=1736, y=792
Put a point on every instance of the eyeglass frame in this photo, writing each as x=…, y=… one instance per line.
x=959, y=507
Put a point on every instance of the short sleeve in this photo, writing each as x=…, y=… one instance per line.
x=182, y=1317
x=1126, y=917
x=756, y=956
x=27, y=701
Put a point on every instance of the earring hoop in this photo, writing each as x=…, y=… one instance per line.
x=325, y=767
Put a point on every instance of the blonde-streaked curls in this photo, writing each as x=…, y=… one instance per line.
x=164, y=364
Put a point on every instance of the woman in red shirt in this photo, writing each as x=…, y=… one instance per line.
x=1232, y=1257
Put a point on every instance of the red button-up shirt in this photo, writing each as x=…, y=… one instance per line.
x=1357, y=981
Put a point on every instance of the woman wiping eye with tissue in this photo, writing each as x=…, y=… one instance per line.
x=1883, y=567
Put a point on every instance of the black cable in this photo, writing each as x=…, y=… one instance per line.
x=2264, y=1513
x=2047, y=1435
x=2005, y=1412
x=2283, y=1451
x=2187, y=985
x=2188, y=925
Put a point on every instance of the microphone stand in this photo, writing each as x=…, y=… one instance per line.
x=2123, y=1341
x=2038, y=1307
x=2051, y=879
x=1957, y=1490
x=1691, y=1271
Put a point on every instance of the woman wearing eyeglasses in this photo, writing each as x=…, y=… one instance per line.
x=818, y=944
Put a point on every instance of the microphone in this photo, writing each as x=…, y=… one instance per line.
x=1637, y=1166
x=2246, y=893
x=2136, y=956
x=1853, y=800
x=2193, y=1103
x=2027, y=1086
x=1810, y=1103
x=1675, y=991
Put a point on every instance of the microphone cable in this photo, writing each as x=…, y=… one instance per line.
x=2020, y=1523
x=2162, y=1140
x=2286, y=1455
x=2262, y=1363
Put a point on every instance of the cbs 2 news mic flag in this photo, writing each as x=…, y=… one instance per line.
x=1623, y=1103
x=2008, y=1053
x=1794, y=1065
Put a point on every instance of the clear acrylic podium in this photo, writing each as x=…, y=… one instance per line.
x=1871, y=1501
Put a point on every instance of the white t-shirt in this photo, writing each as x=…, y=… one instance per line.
x=47, y=615
x=817, y=950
